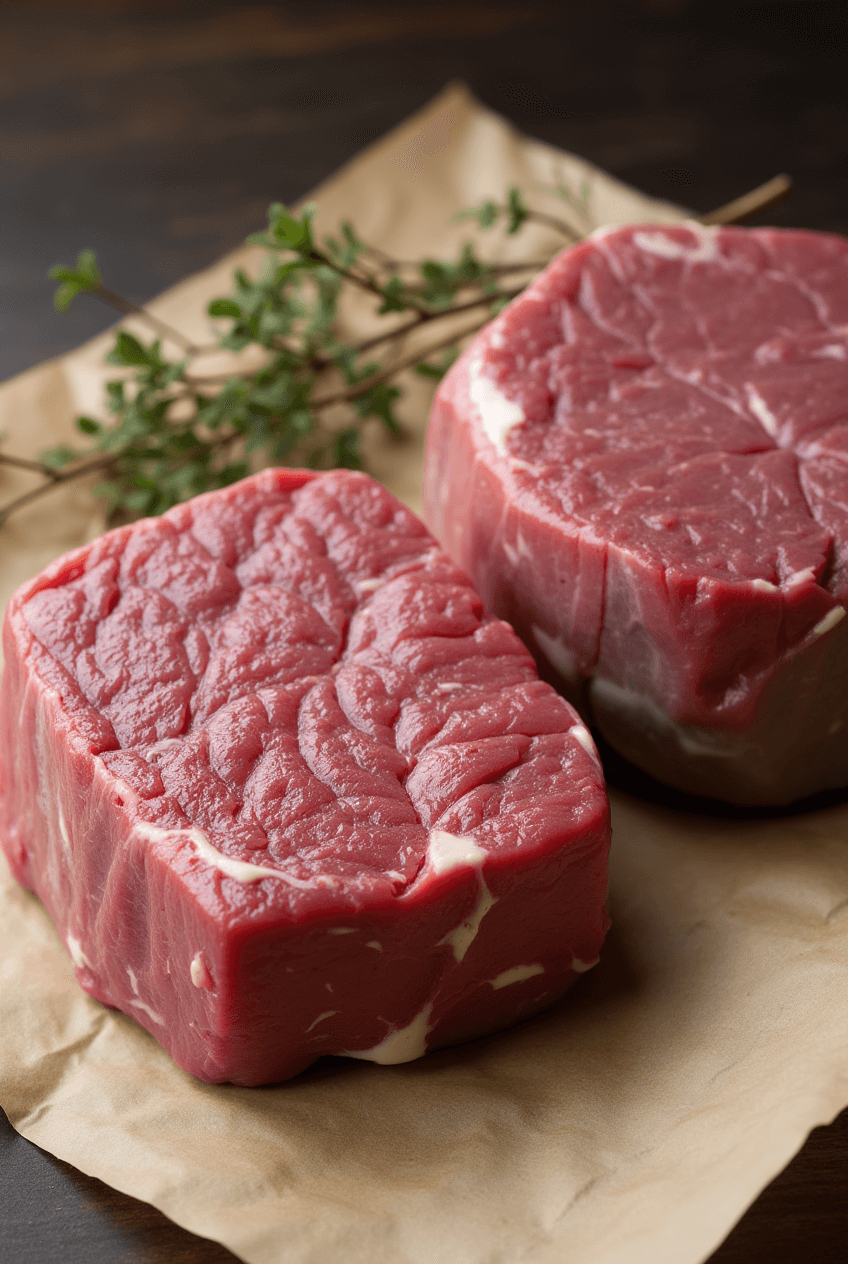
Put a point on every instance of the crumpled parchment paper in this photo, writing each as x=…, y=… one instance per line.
x=635, y=1121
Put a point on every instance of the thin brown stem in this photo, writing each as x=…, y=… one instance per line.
x=425, y=317
x=386, y=260
x=34, y=467
x=422, y=317
x=531, y=265
x=377, y=379
x=759, y=199
x=124, y=305
x=364, y=282
x=551, y=221
x=53, y=479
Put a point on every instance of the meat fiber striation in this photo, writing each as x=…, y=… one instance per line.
x=643, y=465
x=286, y=790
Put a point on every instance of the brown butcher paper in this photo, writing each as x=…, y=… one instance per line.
x=631, y=1124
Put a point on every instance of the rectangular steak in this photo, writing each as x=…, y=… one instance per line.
x=642, y=463
x=284, y=789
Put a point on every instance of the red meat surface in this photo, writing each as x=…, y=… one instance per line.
x=286, y=791
x=643, y=465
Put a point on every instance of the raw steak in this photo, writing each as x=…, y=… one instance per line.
x=286, y=791
x=643, y=465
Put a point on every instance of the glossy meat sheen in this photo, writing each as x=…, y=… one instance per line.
x=286, y=791
x=643, y=464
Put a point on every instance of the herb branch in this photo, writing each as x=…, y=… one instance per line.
x=174, y=431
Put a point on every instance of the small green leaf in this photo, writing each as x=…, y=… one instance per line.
x=237, y=341
x=350, y=236
x=232, y=473
x=56, y=458
x=65, y=295
x=224, y=307
x=516, y=209
x=286, y=231
x=345, y=450
x=128, y=350
x=87, y=268
x=485, y=214
x=140, y=500
x=85, y=276
x=394, y=297
x=379, y=402
x=88, y=425
x=110, y=491
x=301, y=422
x=438, y=371
x=115, y=396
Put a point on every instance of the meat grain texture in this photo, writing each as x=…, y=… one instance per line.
x=286, y=790
x=643, y=465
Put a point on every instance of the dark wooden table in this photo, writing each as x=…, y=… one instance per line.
x=158, y=132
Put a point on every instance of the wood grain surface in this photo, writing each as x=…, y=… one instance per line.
x=158, y=133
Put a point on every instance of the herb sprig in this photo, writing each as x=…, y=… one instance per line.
x=175, y=430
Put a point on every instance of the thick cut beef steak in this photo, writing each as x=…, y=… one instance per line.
x=286, y=791
x=643, y=465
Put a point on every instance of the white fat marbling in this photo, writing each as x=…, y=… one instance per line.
x=511, y=554
x=444, y=853
x=627, y=702
x=763, y=585
x=761, y=411
x=497, y=413
x=517, y=974
x=342, y=930
x=368, y=585
x=328, y=1013
x=558, y=654
x=78, y=957
x=806, y=576
x=465, y=933
x=375, y=944
x=830, y=620
x=584, y=737
x=449, y=686
x=403, y=1045
x=447, y=851
x=242, y=870
x=199, y=971
x=140, y=1004
x=659, y=243
x=164, y=744
x=63, y=831
x=580, y=967
x=833, y=351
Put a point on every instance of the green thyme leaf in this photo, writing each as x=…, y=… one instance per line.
x=516, y=210
x=394, y=297
x=85, y=276
x=438, y=370
x=486, y=214
x=58, y=457
x=128, y=350
x=224, y=307
x=307, y=389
